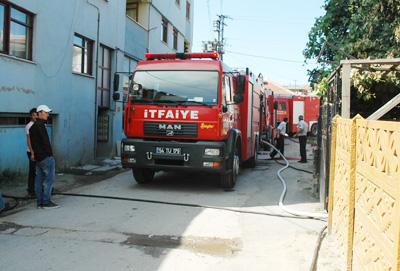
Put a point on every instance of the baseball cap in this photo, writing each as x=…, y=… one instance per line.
x=43, y=107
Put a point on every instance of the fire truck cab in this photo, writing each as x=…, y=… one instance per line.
x=190, y=112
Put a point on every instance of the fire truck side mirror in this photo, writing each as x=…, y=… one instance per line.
x=116, y=82
x=275, y=105
x=238, y=98
x=240, y=84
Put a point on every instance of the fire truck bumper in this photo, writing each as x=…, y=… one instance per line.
x=207, y=156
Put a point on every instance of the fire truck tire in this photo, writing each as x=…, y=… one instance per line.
x=251, y=163
x=228, y=180
x=143, y=175
x=314, y=129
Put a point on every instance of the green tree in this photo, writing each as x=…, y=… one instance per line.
x=356, y=29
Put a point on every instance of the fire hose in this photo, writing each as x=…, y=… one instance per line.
x=282, y=197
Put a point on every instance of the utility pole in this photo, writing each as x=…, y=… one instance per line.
x=219, y=25
x=218, y=44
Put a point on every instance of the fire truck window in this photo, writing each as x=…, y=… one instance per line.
x=282, y=106
x=176, y=87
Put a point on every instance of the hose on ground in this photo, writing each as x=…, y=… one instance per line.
x=321, y=236
x=282, y=197
x=295, y=168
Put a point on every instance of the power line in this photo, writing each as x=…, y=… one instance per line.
x=268, y=57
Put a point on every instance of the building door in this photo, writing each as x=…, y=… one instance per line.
x=104, y=116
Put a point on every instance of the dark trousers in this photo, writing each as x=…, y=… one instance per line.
x=303, y=152
x=31, y=175
x=280, y=145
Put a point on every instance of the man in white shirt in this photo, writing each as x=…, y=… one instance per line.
x=302, y=129
x=30, y=154
x=280, y=140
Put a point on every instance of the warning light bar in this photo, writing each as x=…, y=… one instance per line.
x=213, y=55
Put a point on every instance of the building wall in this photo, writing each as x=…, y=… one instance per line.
x=49, y=79
x=176, y=15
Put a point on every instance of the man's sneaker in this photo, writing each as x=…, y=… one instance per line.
x=39, y=206
x=50, y=205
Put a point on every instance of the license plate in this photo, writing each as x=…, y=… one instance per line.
x=167, y=150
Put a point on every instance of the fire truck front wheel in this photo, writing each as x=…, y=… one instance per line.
x=228, y=180
x=143, y=175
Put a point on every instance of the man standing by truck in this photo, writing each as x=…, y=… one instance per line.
x=280, y=141
x=302, y=129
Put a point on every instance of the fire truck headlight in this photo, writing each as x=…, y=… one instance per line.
x=212, y=152
x=129, y=148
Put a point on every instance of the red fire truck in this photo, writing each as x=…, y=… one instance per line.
x=292, y=106
x=191, y=112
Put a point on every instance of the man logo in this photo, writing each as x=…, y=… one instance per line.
x=169, y=128
x=164, y=126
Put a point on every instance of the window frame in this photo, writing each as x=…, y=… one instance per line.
x=164, y=30
x=102, y=69
x=8, y=20
x=188, y=6
x=136, y=19
x=90, y=43
x=175, y=40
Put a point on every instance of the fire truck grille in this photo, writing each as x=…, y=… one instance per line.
x=170, y=129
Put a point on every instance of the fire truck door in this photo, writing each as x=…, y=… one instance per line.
x=298, y=109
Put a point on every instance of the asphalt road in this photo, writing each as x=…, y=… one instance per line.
x=107, y=234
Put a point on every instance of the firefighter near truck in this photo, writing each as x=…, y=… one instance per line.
x=191, y=112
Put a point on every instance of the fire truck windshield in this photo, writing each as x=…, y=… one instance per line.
x=188, y=87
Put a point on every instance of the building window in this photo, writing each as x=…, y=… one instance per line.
x=178, y=2
x=82, y=55
x=132, y=9
x=18, y=119
x=104, y=77
x=187, y=10
x=175, y=39
x=16, y=31
x=164, y=33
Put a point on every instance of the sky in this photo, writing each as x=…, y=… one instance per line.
x=274, y=31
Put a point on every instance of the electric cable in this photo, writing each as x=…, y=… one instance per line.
x=321, y=216
x=182, y=204
x=267, y=57
x=10, y=207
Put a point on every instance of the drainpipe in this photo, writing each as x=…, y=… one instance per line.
x=95, y=84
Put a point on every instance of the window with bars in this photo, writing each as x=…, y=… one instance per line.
x=132, y=9
x=82, y=55
x=175, y=39
x=104, y=77
x=164, y=29
x=16, y=31
x=18, y=119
